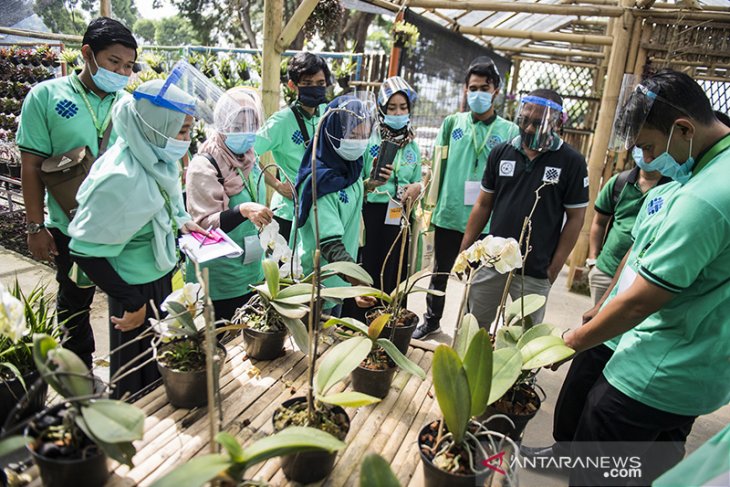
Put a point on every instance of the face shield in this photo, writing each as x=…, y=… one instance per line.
x=185, y=77
x=538, y=120
x=351, y=121
x=630, y=118
x=238, y=110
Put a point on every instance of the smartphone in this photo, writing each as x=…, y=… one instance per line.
x=386, y=155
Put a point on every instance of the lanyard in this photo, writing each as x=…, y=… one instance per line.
x=168, y=208
x=247, y=184
x=100, y=129
x=479, y=149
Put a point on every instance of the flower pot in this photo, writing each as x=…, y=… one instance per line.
x=244, y=75
x=14, y=170
x=522, y=396
x=344, y=81
x=436, y=477
x=12, y=392
x=188, y=389
x=262, y=345
x=403, y=334
x=311, y=466
x=373, y=382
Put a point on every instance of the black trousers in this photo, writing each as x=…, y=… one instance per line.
x=446, y=248
x=135, y=354
x=226, y=308
x=585, y=370
x=379, y=238
x=609, y=415
x=284, y=227
x=73, y=303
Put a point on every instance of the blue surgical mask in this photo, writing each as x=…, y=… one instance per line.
x=108, y=81
x=479, y=101
x=396, y=122
x=240, y=142
x=666, y=164
x=173, y=151
x=352, y=149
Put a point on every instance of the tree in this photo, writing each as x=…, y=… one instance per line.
x=174, y=31
x=63, y=16
x=145, y=29
x=125, y=11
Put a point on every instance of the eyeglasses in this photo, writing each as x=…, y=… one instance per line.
x=527, y=122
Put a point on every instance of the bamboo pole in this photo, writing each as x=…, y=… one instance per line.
x=550, y=52
x=42, y=35
x=584, y=22
x=589, y=2
x=699, y=64
x=594, y=40
x=705, y=8
x=515, y=77
x=533, y=8
x=295, y=24
x=680, y=15
x=105, y=8
x=641, y=53
x=621, y=34
x=554, y=61
x=395, y=52
x=676, y=51
x=635, y=45
x=273, y=14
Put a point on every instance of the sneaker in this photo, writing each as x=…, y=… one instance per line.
x=423, y=330
x=544, y=454
x=537, y=451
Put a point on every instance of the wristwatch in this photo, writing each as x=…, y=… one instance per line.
x=590, y=262
x=32, y=228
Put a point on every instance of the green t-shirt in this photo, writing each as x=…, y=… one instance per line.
x=282, y=136
x=677, y=359
x=339, y=219
x=708, y=465
x=624, y=214
x=469, y=145
x=55, y=119
x=406, y=169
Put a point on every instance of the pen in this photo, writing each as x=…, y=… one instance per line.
x=205, y=237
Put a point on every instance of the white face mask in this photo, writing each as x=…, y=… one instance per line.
x=174, y=148
x=352, y=149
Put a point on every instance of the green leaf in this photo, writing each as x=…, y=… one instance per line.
x=507, y=336
x=122, y=452
x=12, y=443
x=532, y=303
x=350, y=323
x=290, y=440
x=403, y=362
x=340, y=360
x=295, y=290
x=263, y=290
x=377, y=325
x=231, y=444
x=469, y=328
x=271, y=274
x=196, y=472
x=71, y=373
x=404, y=288
x=452, y=390
x=299, y=332
x=543, y=351
x=537, y=331
x=349, y=399
x=349, y=269
x=294, y=311
x=114, y=421
x=506, y=369
x=433, y=292
x=478, y=367
x=345, y=292
x=376, y=472
x=180, y=312
x=16, y=373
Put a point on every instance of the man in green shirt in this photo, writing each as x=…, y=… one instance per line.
x=672, y=363
x=57, y=116
x=468, y=138
x=616, y=207
x=288, y=132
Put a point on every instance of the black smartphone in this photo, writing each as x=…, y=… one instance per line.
x=386, y=155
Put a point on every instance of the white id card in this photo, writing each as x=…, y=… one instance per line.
x=471, y=192
x=393, y=213
x=252, y=249
x=628, y=276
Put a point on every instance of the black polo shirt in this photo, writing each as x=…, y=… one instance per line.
x=513, y=179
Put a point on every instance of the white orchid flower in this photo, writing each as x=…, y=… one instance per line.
x=12, y=316
x=168, y=329
x=510, y=257
x=286, y=268
x=461, y=263
x=189, y=296
x=268, y=235
x=280, y=248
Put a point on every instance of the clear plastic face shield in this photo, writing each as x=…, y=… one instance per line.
x=352, y=123
x=630, y=118
x=239, y=110
x=538, y=120
x=188, y=79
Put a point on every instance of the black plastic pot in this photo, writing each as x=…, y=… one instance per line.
x=435, y=477
x=344, y=82
x=311, y=466
x=12, y=393
x=373, y=382
x=14, y=170
x=187, y=389
x=501, y=425
x=262, y=345
x=403, y=334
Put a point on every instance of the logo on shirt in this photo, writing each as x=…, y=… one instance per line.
x=297, y=137
x=410, y=157
x=343, y=196
x=457, y=134
x=374, y=150
x=655, y=205
x=552, y=174
x=493, y=141
x=585, y=182
x=507, y=168
x=66, y=108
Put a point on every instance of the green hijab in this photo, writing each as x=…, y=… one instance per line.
x=124, y=189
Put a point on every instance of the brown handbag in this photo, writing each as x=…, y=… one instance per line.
x=63, y=174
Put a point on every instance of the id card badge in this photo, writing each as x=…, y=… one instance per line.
x=628, y=276
x=393, y=213
x=471, y=192
x=252, y=250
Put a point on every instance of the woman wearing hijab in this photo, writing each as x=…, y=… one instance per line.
x=130, y=209
x=342, y=140
x=223, y=192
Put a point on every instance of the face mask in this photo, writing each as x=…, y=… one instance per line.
x=312, y=96
x=638, y=156
x=479, y=101
x=536, y=141
x=668, y=166
x=106, y=80
x=396, y=122
x=174, y=149
x=240, y=142
x=352, y=149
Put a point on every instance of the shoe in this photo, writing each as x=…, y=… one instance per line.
x=423, y=330
x=545, y=458
x=537, y=451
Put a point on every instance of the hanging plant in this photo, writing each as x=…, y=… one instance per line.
x=405, y=35
x=325, y=19
x=70, y=57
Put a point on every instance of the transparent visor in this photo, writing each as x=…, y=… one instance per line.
x=239, y=111
x=538, y=119
x=187, y=78
x=630, y=118
x=353, y=118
